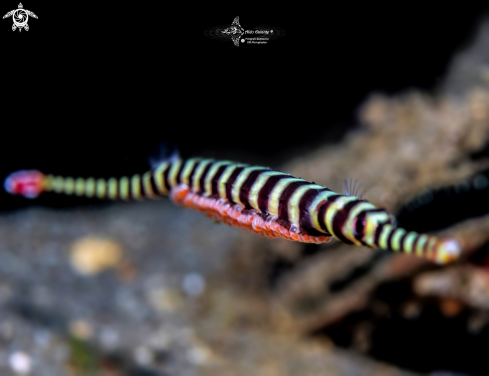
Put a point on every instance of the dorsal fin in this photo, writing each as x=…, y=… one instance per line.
x=354, y=188
x=166, y=152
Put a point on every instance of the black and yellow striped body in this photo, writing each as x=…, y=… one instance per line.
x=260, y=188
x=302, y=206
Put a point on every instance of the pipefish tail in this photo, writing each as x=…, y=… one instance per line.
x=257, y=199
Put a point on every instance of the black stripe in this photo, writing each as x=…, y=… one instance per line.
x=129, y=193
x=402, y=240
x=321, y=212
x=359, y=224
x=180, y=171
x=340, y=218
x=425, y=247
x=436, y=249
x=202, y=177
x=264, y=193
x=152, y=182
x=362, y=217
x=415, y=244
x=283, y=203
x=229, y=183
x=313, y=232
x=244, y=193
x=282, y=222
x=141, y=186
x=389, y=239
x=307, y=199
x=117, y=187
x=215, y=179
x=165, y=177
x=378, y=231
x=192, y=173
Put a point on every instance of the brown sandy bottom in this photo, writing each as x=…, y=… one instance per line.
x=145, y=289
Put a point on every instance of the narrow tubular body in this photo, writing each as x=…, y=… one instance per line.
x=258, y=199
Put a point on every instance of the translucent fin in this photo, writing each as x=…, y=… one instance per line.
x=354, y=188
x=166, y=152
x=393, y=220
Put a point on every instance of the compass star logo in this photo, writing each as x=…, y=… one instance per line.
x=20, y=17
x=234, y=31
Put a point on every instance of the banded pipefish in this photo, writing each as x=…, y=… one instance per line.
x=258, y=199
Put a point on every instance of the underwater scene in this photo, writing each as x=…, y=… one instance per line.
x=260, y=193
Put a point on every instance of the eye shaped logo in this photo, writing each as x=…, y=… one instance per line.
x=20, y=17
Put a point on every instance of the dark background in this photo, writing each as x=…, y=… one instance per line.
x=91, y=89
